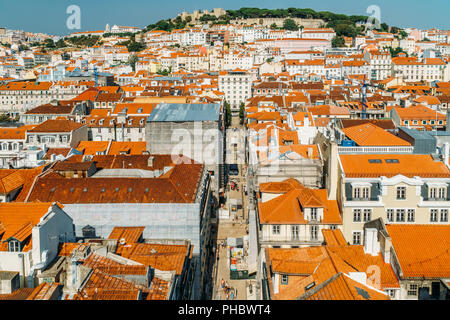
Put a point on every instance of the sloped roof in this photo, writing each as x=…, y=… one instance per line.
x=409, y=165
x=180, y=186
x=342, y=287
x=422, y=250
x=160, y=256
x=371, y=135
x=18, y=219
x=56, y=126
x=129, y=234
x=288, y=208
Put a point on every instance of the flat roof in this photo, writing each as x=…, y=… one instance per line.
x=180, y=112
x=417, y=134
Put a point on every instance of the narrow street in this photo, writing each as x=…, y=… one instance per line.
x=237, y=224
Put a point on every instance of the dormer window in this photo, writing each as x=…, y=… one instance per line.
x=361, y=193
x=130, y=122
x=438, y=193
x=313, y=214
x=14, y=246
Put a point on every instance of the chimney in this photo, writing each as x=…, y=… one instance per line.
x=310, y=152
x=447, y=121
x=446, y=154
x=150, y=161
x=332, y=175
x=371, y=244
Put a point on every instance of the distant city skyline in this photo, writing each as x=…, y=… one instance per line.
x=49, y=16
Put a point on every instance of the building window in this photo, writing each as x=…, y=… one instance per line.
x=391, y=293
x=313, y=213
x=401, y=193
x=412, y=290
x=14, y=246
x=444, y=215
x=276, y=229
x=411, y=213
x=284, y=279
x=433, y=215
x=314, y=233
x=357, y=237
x=400, y=217
x=367, y=215
x=441, y=193
x=365, y=193
x=356, y=215
x=356, y=193
x=390, y=215
x=438, y=193
x=333, y=227
x=295, y=232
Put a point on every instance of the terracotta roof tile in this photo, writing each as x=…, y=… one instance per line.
x=57, y=126
x=371, y=135
x=409, y=165
x=422, y=250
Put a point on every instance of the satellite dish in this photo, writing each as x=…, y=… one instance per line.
x=122, y=241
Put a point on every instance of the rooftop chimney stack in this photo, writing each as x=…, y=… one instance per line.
x=371, y=244
x=150, y=161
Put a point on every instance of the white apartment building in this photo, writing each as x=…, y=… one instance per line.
x=398, y=188
x=380, y=64
x=237, y=87
x=413, y=69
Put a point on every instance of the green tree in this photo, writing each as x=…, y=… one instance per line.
x=4, y=117
x=132, y=60
x=396, y=51
x=136, y=47
x=384, y=27
x=290, y=24
x=23, y=47
x=273, y=26
x=49, y=43
x=242, y=112
x=165, y=72
x=60, y=43
x=227, y=114
x=403, y=34
x=338, y=42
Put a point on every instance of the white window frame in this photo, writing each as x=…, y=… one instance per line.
x=359, y=237
x=276, y=229
x=410, y=213
x=400, y=193
x=443, y=216
x=359, y=211
x=434, y=215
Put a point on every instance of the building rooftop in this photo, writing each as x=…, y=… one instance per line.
x=390, y=165
x=180, y=112
x=422, y=250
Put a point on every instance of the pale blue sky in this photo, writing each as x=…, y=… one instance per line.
x=50, y=16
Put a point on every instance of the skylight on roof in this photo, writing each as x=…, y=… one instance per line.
x=391, y=161
x=374, y=160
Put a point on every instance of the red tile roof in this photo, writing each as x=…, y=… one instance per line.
x=56, y=126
